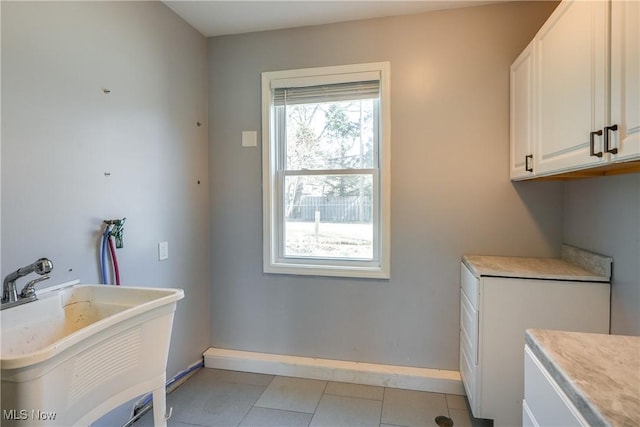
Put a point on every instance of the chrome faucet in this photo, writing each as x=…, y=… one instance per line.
x=10, y=295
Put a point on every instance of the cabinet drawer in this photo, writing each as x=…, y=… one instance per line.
x=468, y=328
x=547, y=403
x=527, y=417
x=468, y=372
x=470, y=284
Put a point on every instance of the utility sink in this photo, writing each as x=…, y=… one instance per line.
x=81, y=350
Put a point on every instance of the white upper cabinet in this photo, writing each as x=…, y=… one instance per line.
x=521, y=115
x=575, y=91
x=571, y=84
x=624, y=143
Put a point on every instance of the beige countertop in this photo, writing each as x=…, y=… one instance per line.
x=600, y=374
x=574, y=264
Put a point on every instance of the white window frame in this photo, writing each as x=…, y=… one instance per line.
x=273, y=262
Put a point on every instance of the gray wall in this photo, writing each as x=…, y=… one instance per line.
x=451, y=192
x=603, y=215
x=61, y=133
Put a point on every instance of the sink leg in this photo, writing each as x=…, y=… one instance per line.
x=159, y=407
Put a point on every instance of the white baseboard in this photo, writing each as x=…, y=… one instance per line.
x=405, y=377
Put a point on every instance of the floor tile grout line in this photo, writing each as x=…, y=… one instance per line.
x=254, y=403
x=384, y=396
x=326, y=383
x=282, y=410
x=248, y=412
x=351, y=397
x=358, y=397
x=381, y=405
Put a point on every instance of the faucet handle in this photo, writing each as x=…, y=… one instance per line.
x=29, y=288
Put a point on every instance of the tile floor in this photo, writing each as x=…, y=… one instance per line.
x=213, y=397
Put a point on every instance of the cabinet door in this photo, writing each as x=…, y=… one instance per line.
x=625, y=79
x=571, y=86
x=521, y=115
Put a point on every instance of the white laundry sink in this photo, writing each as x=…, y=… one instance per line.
x=81, y=350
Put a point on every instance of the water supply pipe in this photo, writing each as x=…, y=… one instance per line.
x=103, y=254
x=114, y=260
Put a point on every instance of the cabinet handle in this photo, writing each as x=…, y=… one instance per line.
x=607, y=129
x=592, y=143
x=526, y=163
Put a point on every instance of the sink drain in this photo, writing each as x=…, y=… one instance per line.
x=443, y=421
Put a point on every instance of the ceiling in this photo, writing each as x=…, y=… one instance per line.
x=215, y=18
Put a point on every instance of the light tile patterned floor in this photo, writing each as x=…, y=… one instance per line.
x=215, y=397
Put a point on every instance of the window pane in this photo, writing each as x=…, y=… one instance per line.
x=329, y=216
x=330, y=135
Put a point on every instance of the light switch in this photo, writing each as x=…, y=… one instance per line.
x=249, y=138
x=163, y=251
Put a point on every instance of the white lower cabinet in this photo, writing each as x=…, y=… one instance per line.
x=495, y=312
x=545, y=404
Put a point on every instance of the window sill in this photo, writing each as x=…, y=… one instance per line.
x=329, y=271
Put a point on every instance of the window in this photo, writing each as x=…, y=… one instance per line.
x=326, y=171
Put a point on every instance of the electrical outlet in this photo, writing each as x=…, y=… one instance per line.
x=163, y=251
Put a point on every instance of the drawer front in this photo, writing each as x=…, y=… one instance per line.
x=468, y=372
x=547, y=403
x=470, y=284
x=468, y=328
x=528, y=419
